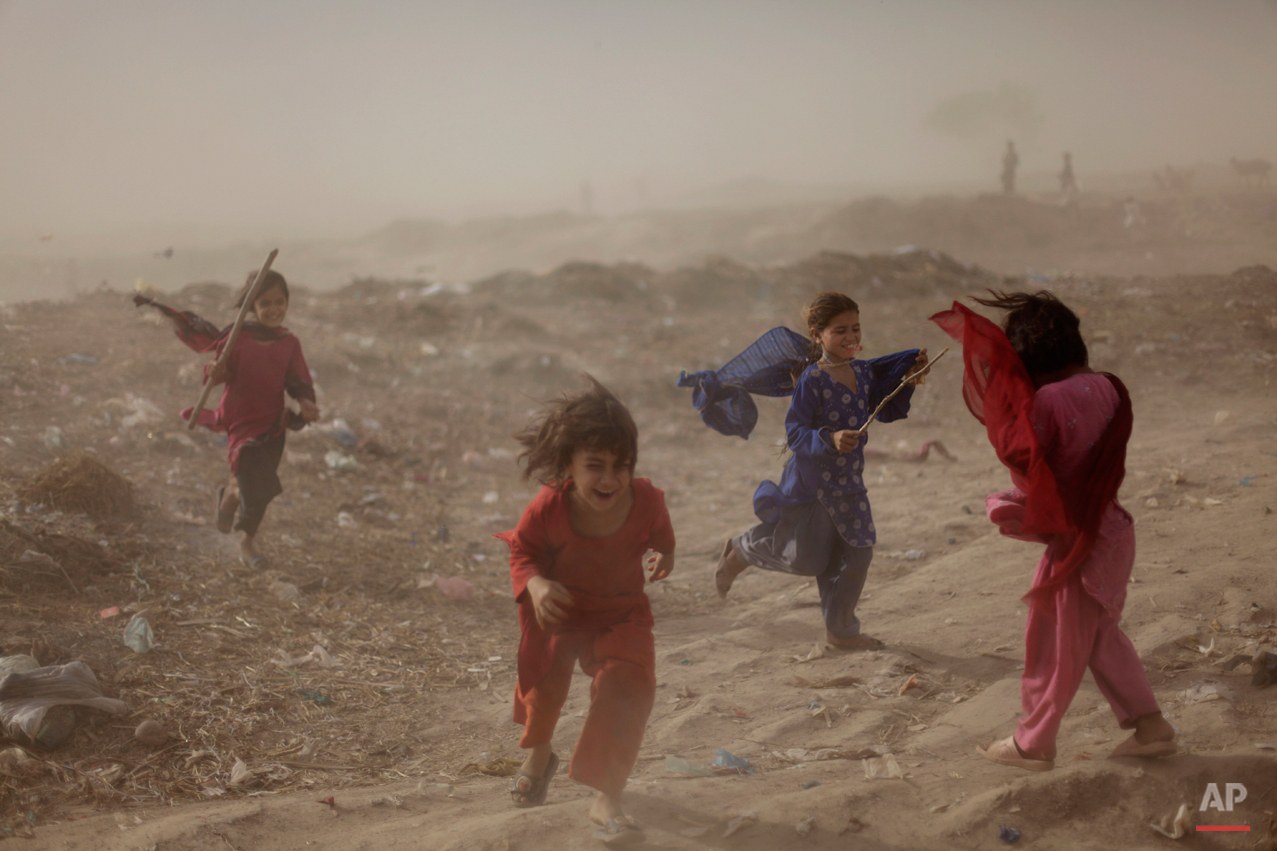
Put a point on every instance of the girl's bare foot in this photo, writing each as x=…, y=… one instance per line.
x=249, y=553
x=1153, y=737
x=730, y=565
x=227, y=505
x=855, y=642
x=616, y=828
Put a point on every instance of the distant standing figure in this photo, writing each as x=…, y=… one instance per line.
x=1246, y=169
x=1010, y=162
x=1134, y=215
x=1068, y=182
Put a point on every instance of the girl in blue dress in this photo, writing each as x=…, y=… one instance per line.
x=817, y=521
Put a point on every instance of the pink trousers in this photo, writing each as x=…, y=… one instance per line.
x=1059, y=646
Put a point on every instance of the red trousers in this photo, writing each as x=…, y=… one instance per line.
x=622, y=661
x=1059, y=645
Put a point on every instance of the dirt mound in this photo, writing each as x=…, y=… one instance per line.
x=907, y=272
x=79, y=484
x=718, y=278
x=622, y=282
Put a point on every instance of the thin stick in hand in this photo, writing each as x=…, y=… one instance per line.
x=903, y=382
x=230, y=342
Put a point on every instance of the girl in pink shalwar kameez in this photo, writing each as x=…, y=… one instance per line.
x=1062, y=430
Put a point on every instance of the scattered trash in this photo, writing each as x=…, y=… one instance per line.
x=455, y=588
x=388, y=801
x=19, y=663
x=316, y=697
x=912, y=682
x=138, y=635
x=39, y=704
x=331, y=801
x=1175, y=826
x=915, y=555
x=692, y=769
x=739, y=823
x=151, y=733
x=1009, y=835
x=1221, y=416
x=240, y=773
x=810, y=784
x=346, y=520
x=54, y=438
x=817, y=652
x=1265, y=746
x=76, y=357
x=726, y=762
x=491, y=497
x=804, y=827
x=339, y=461
x=1200, y=693
x=883, y=767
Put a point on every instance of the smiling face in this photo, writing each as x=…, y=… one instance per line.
x=840, y=339
x=271, y=307
x=601, y=479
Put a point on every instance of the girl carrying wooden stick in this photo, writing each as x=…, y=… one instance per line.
x=816, y=521
x=266, y=363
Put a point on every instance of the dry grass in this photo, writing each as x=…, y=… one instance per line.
x=79, y=484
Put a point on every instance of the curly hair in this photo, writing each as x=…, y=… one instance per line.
x=593, y=419
x=1042, y=330
x=818, y=314
x=273, y=279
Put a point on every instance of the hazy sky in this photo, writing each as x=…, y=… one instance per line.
x=326, y=117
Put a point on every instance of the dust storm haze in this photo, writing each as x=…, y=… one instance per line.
x=133, y=127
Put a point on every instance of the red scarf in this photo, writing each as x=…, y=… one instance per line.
x=999, y=392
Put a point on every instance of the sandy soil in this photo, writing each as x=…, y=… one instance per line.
x=433, y=386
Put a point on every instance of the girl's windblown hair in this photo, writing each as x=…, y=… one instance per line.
x=1042, y=330
x=594, y=419
x=273, y=279
x=822, y=310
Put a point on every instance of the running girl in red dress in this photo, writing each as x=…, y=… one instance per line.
x=576, y=562
x=266, y=363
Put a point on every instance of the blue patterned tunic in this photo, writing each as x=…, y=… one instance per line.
x=820, y=406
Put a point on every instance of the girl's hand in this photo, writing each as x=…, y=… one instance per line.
x=550, y=600
x=310, y=411
x=917, y=375
x=661, y=565
x=216, y=373
x=846, y=440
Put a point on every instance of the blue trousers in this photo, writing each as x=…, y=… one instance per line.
x=804, y=542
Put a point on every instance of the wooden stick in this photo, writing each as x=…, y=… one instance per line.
x=258, y=280
x=903, y=382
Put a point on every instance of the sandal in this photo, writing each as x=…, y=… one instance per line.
x=225, y=520
x=1005, y=752
x=620, y=830
x=528, y=791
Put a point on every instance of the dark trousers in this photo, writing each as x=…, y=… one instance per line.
x=258, y=480
x=804, y=542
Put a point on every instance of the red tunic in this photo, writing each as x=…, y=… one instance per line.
x=252, y=405
x=608, y=629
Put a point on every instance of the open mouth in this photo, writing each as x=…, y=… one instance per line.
x=603, y=497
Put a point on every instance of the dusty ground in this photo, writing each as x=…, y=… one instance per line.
x=433, y=385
